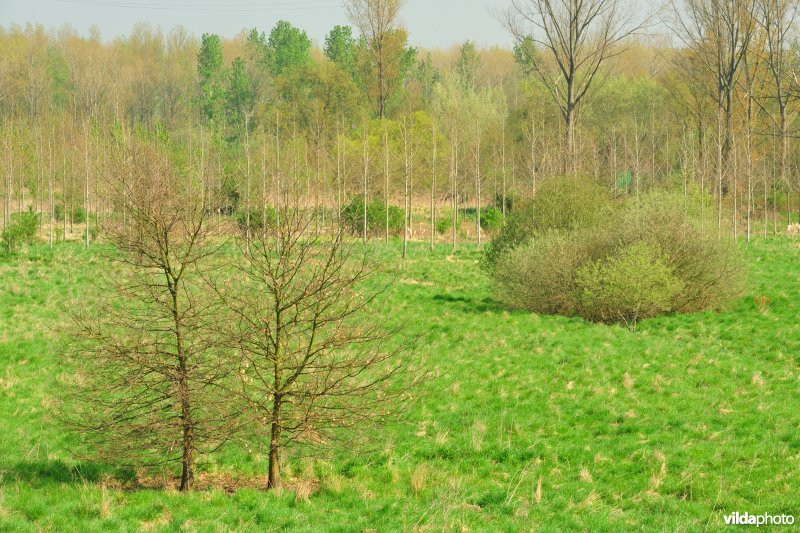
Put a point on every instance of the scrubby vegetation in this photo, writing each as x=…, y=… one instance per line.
x=377, y=221
x=21, y=230
x=612, y=261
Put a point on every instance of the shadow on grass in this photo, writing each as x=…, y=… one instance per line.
x=471, y=305
x=49, y=472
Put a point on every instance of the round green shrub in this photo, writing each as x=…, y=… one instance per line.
x=22, y=229
x=443, y=225
x=491, y=219
x=632, y=285
x=560, y=204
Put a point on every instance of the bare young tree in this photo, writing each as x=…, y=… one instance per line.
x=148, y=368
x=579, y=37
x=312, y=360
x=376, y=19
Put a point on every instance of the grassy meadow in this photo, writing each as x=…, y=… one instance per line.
x=526, y=423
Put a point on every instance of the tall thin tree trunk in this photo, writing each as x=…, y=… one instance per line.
x=274, y=476
x=433, y=186
x=247, y=183
x=86, y=189
x=478, y=184
x=386, y=177
x=366, y=174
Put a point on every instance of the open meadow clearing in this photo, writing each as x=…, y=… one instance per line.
x=526, y=422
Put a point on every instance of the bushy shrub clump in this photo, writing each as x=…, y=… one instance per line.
x=633, y=284
x=353, y=217
x=563, y=204
x=491, y=219
x=653, y=256
x=21, y=230
x=443, y=225
x=260, y=218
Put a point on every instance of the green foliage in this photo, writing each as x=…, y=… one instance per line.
x=211, y=73
x=525, y=55
x=632, y=285
x=21, y=229
x=509, y=200
x=78, y=215
x=259, y=218
x=491, y=219
x=443, y=225
x=353, y=217
x=288, y=48
x=340, y=47
x=58, y=212
x=239, y=97
x=710, y=266
x=560, y=204
x=539, y=275
x=467, y=66
x=652, y=257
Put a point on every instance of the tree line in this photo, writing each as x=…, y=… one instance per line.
x=450, y=137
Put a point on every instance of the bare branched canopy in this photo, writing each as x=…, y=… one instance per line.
x=148, y=363
x=312, y=361
x=376, y=19
x=578, y=37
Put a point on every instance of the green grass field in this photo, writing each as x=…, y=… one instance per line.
x=527, y=422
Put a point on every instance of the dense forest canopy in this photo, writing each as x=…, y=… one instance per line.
x=708, y=110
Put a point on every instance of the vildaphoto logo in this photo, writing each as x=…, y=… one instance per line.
x=758, y=520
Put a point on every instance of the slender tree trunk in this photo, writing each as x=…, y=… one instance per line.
x=274, y=476
x=478, y=184
x=386, y=177
x=406, y=179
x=50, y=193
x=366, y=174
x=433, y=186
x=455, y=194
x=247, y=184
x=86, y=190
x=187, y=422
x=503, y=169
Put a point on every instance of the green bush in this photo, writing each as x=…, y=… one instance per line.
x=561, y=204
x=653, y=257
x=632, y=285
x=443, y=225
x=79, y=215
x=260, y=218
x=539, y=276
x=509, y=200
x=353, y=217
x=711, y=268
x=491, y=219
x=21, y=229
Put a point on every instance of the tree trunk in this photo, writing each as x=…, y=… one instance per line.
x=433, y=188
x=569, y=154
x=478, y=187
x=274, y=477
